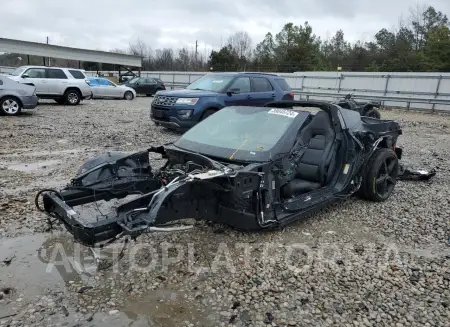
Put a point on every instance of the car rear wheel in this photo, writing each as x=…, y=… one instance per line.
x=128, y=95
x=10, y=106
x=373, y=113
x=381, y=176
x=72, y=97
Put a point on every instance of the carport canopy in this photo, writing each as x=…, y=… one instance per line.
x=56, y=51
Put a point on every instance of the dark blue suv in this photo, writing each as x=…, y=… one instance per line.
x=182, y=109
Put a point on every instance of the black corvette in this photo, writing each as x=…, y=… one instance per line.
x=248, y=167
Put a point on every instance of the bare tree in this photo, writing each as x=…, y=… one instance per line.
x=139, y=48
x=241, y=43
x=118, y=50
x=418, y=23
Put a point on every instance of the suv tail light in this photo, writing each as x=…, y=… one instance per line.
x=163, y=86
x=291, y=95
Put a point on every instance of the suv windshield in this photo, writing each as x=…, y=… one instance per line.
x=18, y=71
x=211, y=82
x=234, y=129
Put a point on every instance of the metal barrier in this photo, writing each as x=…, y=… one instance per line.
x=301, y=94
x=428, y=91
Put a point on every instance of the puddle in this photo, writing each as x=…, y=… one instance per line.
x=26, y=272
x=29, y=167
x=33, y=263
x=164, y=307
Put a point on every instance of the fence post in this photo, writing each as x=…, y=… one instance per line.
x=173, y=81
x=189, y=78
x=339, y=85
x=437, y=91
x=386, y=87
x=303, y=82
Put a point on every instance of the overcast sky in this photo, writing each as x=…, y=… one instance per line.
x=108, y=24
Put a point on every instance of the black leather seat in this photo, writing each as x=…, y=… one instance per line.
x=316, y=164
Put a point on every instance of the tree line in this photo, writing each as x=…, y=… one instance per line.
x=420, y=43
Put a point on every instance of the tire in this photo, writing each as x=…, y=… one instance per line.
x=208, y=113
x=380, y=176
x=373, y=113
x=10, y=106
x=128, y=95
x=72, y=97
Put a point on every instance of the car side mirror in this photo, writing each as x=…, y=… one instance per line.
x=232, y=91
x=25, y=76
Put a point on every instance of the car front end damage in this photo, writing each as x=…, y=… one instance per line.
x=190, y=185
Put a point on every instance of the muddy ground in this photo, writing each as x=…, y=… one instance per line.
x=356, y=264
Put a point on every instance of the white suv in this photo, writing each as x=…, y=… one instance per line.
x=64, y=85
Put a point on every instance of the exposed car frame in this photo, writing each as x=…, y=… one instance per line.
x=247, y=196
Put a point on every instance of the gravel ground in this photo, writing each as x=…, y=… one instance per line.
x=356, y=264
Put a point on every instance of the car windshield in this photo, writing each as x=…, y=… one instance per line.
x=236, y=129
x=211, y=82
x=18, y=71
x=133, y=80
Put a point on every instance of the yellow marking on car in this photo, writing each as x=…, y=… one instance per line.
x=243, y=143
x=260, y=148
x=346, y=168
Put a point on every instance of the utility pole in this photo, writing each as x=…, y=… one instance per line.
x=196, y=51
x=48, y=59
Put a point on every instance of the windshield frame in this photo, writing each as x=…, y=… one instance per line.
x=231, y=78
x=18, y=71
x=282, y=145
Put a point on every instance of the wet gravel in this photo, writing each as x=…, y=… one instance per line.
x=355, y=264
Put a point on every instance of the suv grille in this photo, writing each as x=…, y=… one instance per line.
x=164, y=101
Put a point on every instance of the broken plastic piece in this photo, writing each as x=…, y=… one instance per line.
x=406, y=173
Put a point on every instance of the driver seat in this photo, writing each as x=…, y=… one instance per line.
x=317, y=163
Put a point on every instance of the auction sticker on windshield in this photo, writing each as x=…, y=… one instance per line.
x=283, y=112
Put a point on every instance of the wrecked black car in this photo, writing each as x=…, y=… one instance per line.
x=251, y=168
x=368, y=109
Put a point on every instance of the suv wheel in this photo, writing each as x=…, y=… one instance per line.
x=10, y=106
x=72, y=97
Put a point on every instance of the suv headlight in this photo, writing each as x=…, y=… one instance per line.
x=186, y=113
x=188, y=101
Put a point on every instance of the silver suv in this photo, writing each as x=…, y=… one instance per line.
x=64, y=85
